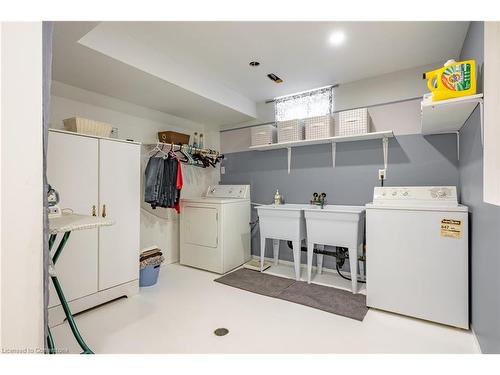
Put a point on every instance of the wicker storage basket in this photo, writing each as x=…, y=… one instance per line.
x=86, y=126
x=319, y=127
x=354, y=122
x=263, y=135
x=291, y=130
x=173, y=137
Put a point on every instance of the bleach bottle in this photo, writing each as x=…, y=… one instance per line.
x=454, y=80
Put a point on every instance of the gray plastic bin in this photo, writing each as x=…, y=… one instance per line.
x=149, y=276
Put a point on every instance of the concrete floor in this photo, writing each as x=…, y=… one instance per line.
x=180, y=313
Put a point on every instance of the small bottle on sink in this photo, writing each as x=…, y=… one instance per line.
x=278, y=199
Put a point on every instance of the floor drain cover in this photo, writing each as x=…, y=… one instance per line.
x=221, y=331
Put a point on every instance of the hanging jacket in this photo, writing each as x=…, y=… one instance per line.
x=153, y=181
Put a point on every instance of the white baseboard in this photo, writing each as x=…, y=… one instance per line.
x=56, y=313
x=476, y=341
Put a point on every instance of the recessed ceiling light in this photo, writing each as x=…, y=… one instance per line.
x=254, y=63
x=337, y=38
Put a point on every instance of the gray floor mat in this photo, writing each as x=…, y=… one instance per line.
x=329, y=299
x=333, y=300
x=256, y=282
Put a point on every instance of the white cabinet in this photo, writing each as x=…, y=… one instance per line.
x=119, y=193
x=97, y=175
x=72, y=169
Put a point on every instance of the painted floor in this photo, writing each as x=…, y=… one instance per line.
x=180, y=313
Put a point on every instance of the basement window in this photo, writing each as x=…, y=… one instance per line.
x=318, y=102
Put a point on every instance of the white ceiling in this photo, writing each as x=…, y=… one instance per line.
x=199, y=70
x=79, y=66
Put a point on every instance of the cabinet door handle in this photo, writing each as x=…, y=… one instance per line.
x=103, y=210
x=93, y=210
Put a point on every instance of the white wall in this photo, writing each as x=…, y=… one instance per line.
x=386, y=88
x=402, y=90
x=21, y=265
x=405, y=84
x=134, y=121
x=158, y=227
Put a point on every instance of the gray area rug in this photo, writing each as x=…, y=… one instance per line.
x=332, y=300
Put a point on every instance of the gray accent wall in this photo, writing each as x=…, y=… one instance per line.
x=413, y=160
x=484, y=238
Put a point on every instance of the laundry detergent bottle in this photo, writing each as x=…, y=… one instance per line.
x=454, y=80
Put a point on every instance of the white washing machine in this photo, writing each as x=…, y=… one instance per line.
x=215, y=229
x=417, y=253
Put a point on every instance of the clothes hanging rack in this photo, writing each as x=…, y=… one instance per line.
x=177, y=147
x=189, y=150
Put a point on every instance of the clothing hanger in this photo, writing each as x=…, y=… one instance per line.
x=171, y=152
x=186, y=159
x=157, y=150
x=188, y=155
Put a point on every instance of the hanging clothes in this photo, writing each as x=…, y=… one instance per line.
x=178, y=185
x=162, y=188
x=153, y=181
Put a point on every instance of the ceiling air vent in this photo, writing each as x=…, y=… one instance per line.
x=273, y=77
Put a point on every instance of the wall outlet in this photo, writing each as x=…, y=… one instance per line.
x=222, y=170
x=382, y=174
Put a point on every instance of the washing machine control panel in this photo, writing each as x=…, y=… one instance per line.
x=229, y=191
x=418, y=195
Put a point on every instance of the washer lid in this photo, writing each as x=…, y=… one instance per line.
x=415, y=196
x=408, y=207
x=209, y=200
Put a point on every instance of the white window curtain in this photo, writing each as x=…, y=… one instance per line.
x=303, y=105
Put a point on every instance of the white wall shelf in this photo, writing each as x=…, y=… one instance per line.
x=448, y=116
x=384, y=135
x=337, y=139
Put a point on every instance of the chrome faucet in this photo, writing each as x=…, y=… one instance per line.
x=319, y=199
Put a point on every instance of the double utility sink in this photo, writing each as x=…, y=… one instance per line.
x=333, y=225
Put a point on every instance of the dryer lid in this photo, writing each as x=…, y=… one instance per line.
x=209, y=200
x=228, y=191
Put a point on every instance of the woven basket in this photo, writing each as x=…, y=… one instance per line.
x=86, y=126
x=263, y=135
x=354, y=122
x=290, y=131
x=319, y=127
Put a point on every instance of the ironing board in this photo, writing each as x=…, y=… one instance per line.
x=65, y=224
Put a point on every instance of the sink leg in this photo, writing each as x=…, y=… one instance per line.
x=319, y=259
x=310, y=254
x=276, y=251
x=296, y=259
x=353, y=263
x=262, y=252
